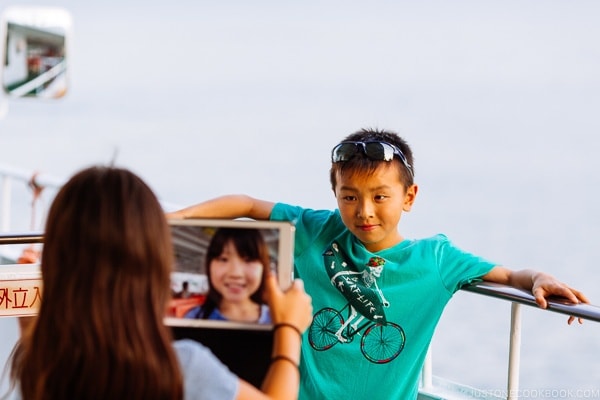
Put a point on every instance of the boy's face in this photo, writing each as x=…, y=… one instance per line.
x=371, y=205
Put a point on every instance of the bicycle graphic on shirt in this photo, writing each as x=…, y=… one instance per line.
x=381, y=341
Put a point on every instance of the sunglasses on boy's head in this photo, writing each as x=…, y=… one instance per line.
x=376, y=151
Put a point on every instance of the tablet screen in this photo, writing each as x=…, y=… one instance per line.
x=220, y=267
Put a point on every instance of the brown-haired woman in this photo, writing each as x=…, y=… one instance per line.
x=99, y=334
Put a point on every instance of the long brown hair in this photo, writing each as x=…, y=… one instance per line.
x=106, y=264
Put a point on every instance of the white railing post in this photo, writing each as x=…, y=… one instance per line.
x=427, y=371
x=5, y=206
x=514, y=356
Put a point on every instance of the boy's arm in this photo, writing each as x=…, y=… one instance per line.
x=229, y=206
x=542, y=285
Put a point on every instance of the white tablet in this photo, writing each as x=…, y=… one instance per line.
x=203, y=246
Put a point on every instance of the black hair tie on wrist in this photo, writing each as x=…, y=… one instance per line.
x=284, y=324
x=286, y=358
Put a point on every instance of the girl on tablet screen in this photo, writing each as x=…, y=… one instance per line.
x=237, y=262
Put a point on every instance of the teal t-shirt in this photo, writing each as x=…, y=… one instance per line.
x=374, y=313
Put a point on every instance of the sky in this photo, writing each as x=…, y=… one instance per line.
x=491, y=80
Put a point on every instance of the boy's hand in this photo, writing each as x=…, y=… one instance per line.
x=544, y=286
x=29, y=255
x=294, y=306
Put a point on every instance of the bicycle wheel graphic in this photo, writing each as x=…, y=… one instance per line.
x=326, y=323
x=382, y=343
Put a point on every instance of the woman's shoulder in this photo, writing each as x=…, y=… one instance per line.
x=194, y=356
x=195, y=361
x=188, y=349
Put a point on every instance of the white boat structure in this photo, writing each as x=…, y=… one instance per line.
x=25, y=278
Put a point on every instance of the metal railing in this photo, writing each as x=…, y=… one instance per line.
x=21, y=238
x=38, y=82
x=555, y=304
x=517, y=297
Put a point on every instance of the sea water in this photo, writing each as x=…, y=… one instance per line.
x=499, y=101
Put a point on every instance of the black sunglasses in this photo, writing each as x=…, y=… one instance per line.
x=376, y=151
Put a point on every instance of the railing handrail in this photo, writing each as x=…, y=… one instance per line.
x=21, y=238
x=555, y=304
x=39, y=80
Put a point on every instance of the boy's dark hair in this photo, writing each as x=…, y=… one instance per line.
x=361, y=163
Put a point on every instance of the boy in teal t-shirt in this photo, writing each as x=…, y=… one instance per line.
x=394, y=297
x=377, y=296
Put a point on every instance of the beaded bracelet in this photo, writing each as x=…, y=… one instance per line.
x=286, y=358
x=282, y=324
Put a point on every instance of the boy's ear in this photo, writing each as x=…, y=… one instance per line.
x=409, y=197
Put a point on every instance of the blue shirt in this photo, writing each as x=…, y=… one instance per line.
x=204, y=376
x=264, y=318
